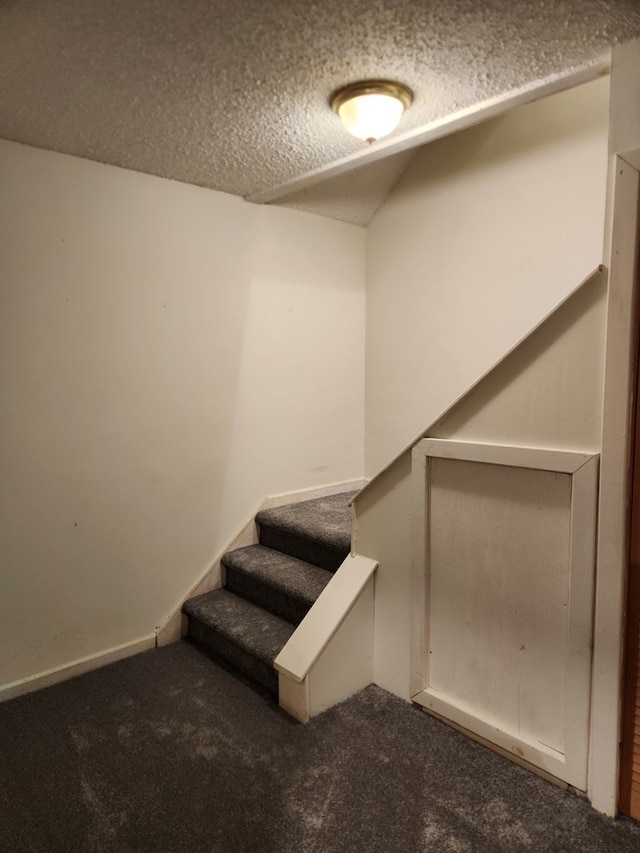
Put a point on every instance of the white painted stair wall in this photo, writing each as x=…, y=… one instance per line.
x=542, y=402
x=329, y=657
x=529, y=192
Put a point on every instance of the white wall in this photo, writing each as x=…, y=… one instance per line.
x=484, y=234
x=168, y=356
x=546, y=394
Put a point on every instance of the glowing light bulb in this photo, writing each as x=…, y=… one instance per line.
x=373, y=109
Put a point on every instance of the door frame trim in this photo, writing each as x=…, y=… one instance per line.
x=613, y=524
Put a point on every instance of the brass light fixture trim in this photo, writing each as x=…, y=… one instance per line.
x=371, y=87
x=370, y=109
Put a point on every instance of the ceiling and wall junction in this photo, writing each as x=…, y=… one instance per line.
x=234, y=95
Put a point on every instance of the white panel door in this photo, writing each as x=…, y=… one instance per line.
x=503, y=582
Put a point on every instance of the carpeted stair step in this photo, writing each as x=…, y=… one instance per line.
x=274, y=581
x=270, y=587
x=316, y=531
x=239, y=632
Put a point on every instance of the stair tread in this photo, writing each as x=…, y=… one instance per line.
x=289, y=575
x=253, y=629
x=326, y=519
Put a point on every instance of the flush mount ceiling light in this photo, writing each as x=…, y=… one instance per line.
x=372, y=108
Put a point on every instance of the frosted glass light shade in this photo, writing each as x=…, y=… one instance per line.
x=371, y=109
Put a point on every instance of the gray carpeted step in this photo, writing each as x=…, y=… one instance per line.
x=316, y=531
x=240, y=633
x=271, y=586
x=275, y=581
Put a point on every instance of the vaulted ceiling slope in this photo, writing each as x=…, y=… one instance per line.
x=233, y=94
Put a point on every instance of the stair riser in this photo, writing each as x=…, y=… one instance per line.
x=269, y=599
x=220, y=646
x=317, y=553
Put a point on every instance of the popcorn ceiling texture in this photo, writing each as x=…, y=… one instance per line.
x=234, y=95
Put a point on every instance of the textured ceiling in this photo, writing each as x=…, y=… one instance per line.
x=234, y=95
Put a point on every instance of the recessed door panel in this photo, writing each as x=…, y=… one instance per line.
x=504, y=565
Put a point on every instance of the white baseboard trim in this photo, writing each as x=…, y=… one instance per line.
x=76, y=667
x=174, y=626
x=309, y=494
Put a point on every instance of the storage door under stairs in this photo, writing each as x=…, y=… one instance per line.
x=504, y=546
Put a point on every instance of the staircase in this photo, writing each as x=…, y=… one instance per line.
x=270, y=586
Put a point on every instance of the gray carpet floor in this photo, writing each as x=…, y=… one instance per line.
x=168, y=752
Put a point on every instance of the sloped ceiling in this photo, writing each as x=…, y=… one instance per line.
x=234, y=95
